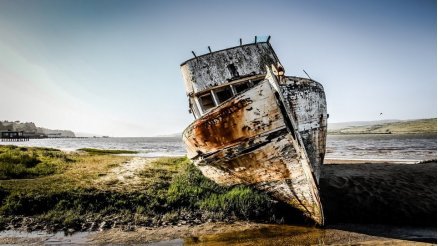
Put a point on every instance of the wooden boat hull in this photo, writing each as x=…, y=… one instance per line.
x=255, y=139
x=306, y=101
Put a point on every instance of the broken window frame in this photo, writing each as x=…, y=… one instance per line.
x=255, y=82
x=194, y=107
x=201, y=104
x=227, y=89
x=197, y=107
x=235, y=86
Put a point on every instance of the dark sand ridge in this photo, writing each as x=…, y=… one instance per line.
x=403, y=194
x=381, y=193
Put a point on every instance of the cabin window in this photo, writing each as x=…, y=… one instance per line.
x=255, y=82
x=233, y=70
x=241, y=87
x=206, y=101
x=224, y=94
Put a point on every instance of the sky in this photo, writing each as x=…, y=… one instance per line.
x=113, y=67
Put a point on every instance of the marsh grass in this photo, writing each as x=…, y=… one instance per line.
x=107, y=151
x=20, y=162
x=190, y=189
x=172, y=189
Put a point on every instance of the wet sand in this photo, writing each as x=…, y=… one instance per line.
x=364, y=203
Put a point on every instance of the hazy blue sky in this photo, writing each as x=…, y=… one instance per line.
x=112, y=67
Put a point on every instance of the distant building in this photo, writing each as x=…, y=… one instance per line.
x=12, y=134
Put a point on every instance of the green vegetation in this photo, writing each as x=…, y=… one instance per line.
x=21, y=162
x=423, y=126
x=167, y=191
x=107, y=151
x=189, y=189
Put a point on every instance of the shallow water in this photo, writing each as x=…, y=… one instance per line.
x=262, y=235
x=300, y=235
x=383, y=146
x=58, y=238
x=147, y=147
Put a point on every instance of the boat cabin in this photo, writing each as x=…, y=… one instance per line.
x=215, y=77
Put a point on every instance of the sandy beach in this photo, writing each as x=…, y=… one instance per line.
x=403, y=194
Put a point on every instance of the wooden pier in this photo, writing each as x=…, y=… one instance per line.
x=21, y=139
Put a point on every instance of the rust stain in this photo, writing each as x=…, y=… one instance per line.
x=223, y=127
x=234, y=121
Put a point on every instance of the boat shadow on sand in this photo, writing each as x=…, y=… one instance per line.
x=389, y=200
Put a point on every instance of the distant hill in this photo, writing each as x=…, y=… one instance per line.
x=64, y=133
x=370, y=127
x=31, y=128
x=343, y=125
x=380, y=127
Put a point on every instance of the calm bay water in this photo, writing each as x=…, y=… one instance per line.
x=146, y=146
x=391, y=146
x=382, y=146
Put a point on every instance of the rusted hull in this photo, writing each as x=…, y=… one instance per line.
x=255, y=139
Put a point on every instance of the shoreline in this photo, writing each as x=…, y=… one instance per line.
x=355, y=195
x=379, y=133
x=337, y=161
x=336, y=146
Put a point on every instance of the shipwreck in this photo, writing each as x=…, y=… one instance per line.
x=254, y=125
